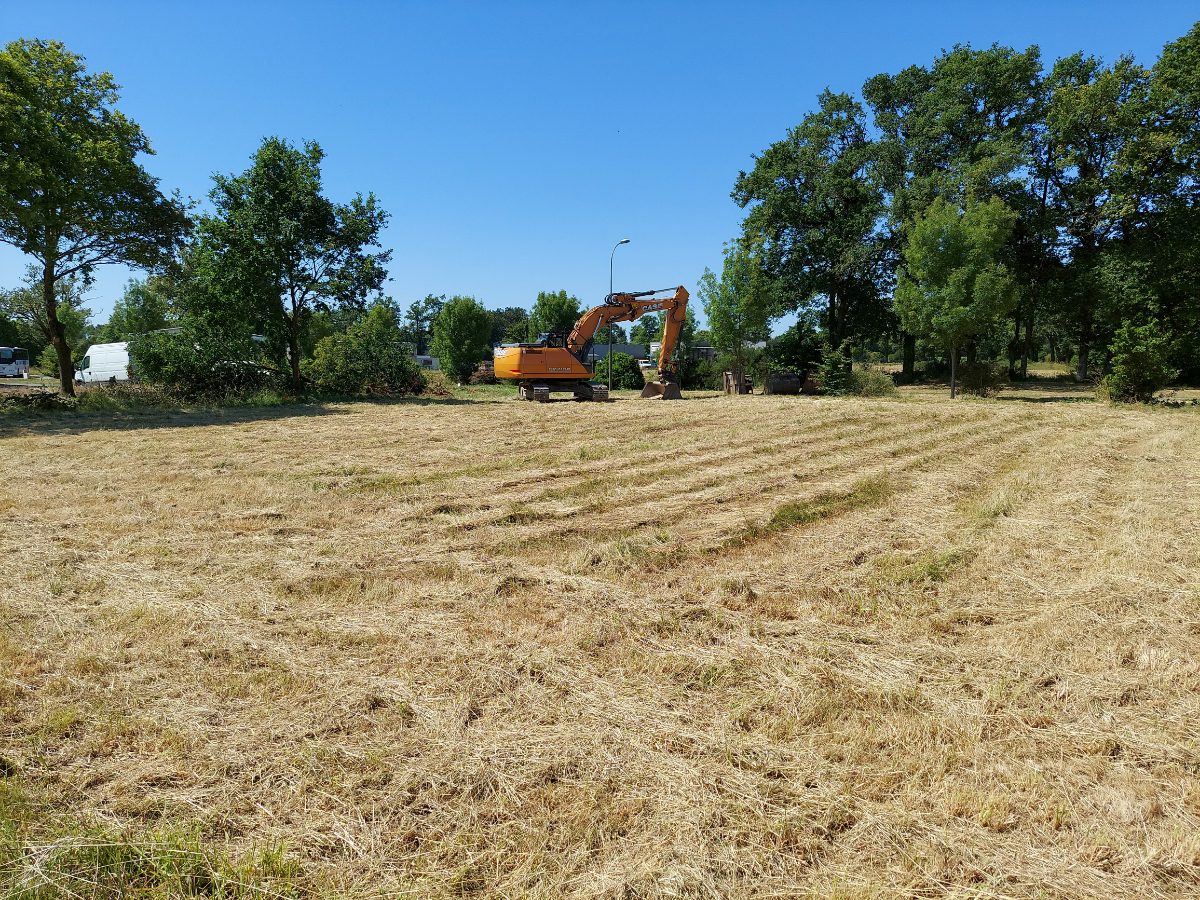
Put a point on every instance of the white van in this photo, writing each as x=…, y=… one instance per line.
x=104, y=362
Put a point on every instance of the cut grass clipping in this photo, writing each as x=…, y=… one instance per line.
x=432, y=660
x=872, y=491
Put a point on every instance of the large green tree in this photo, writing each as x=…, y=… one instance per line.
x=418, y=321
x=814, y=209
x=73, y=194
x=959, y=128
x=955, y=288
x=510, y=325
x=144, y=306
x=1098, y=185
x=278, y=245
x=554, y=312
x=737, y=305
x=462, y=337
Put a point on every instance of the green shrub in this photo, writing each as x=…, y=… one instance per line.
x=798, y=349
x=37, y=401
x=871, y=383
x=833, y=375
x=702, y=375
x=367, y=358
x=626, y=375
x=983, y=379
x=201, y=362
x=123, y=396
x=462, y=337
x=1139, y=365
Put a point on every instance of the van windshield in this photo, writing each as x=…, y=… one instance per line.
x=84, y=363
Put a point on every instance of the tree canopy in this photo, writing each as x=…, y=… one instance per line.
x=737, y=305
x=954, y=288
x=276, y=243
x=462, y=337
x=73, y=195
x=553, y=312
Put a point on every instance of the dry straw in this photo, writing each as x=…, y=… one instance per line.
x=733, y=647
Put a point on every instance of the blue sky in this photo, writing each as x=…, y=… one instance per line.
x=514, y=143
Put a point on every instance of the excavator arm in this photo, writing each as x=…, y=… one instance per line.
x=628, y=308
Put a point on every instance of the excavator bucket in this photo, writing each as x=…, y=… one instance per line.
x=661, y=390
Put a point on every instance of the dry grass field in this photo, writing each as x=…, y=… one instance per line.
x=731, y=647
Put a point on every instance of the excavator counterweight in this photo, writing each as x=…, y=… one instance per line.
x=557, y=362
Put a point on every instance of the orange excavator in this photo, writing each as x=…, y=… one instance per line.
x=556, y=362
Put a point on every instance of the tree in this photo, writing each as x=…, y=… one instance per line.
x=1095, y=120
x=736, y=305
x=814, y=208
x=955, y=288
x=145, y=306
x=26, y=308
x=626, y=375
x=798, y=349
x=72, y=193
x=418, y=322
x=646, y=330
x=369, y=357
x=613, y=330
x=960, y=129
x=510, y=325
x=462, y=337
x=201, y=360
x=1140, y=363
x=554, y=313
x=278, y=244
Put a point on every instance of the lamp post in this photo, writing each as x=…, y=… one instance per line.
x=610, y=293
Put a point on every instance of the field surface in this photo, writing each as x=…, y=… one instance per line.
x=730, y=647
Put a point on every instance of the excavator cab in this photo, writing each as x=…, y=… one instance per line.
x=551, y=339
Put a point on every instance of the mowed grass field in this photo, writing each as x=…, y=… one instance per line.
x=730, y=647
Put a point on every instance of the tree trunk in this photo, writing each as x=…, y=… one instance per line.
x=1014, y=355
x=294, y=356
x=1028, y=348
x=909, y=366
x=954, y=372
x=1085, y=346
x=58, y=336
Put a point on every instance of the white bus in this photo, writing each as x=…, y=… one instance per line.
x=14, y=362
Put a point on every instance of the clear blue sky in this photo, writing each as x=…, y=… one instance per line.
x=514, y=143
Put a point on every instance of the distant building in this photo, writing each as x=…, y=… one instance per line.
x=600, y=351
x=427, y=362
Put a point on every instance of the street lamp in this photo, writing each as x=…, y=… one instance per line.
x=610, y=293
